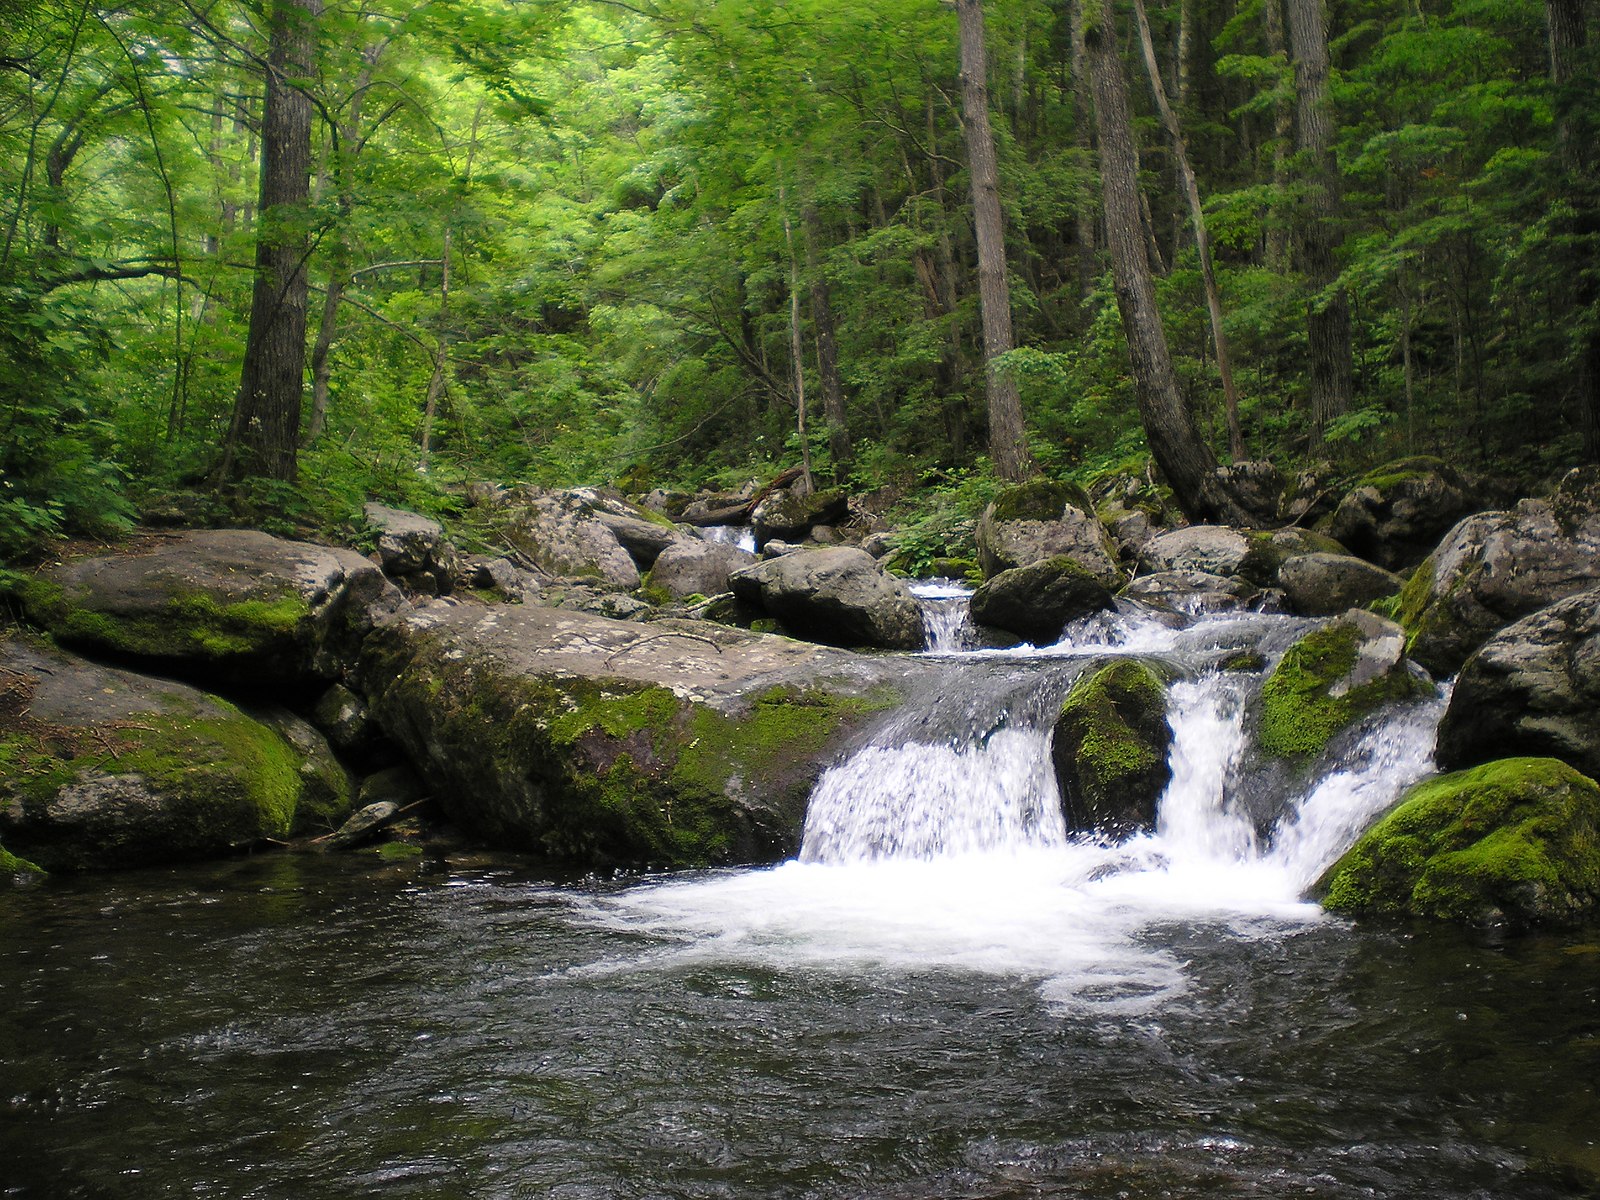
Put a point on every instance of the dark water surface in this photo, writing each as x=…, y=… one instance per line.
x=303, y=1027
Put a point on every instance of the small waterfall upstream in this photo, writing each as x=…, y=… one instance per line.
x=941, y=843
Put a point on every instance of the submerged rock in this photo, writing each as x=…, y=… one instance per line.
x=1511, y=842
x=1331, y=678
x=105, y=768
x=226, y=604
x=1496, y=567
x=1396, y=513
x=1111, y=749
x=840, y=596
x=1035, y=602
x=1534, y=688
x=1043, y=519
x=604, y=742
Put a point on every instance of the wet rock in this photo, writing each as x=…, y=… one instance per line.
x=398, y=785
x=366, y=824
x=1513, y=842
x=1320, y=585
x=223, y=604
x=697, y=567
x=1034, y=521
x=1396, y=513
x=1331, y=678
x=106, y=768
x=787, y=515
x=838, y=596
x=1110, y=748
x=343, y=718
x=1532, y=689
x=600, y=742
x=1496, y=567
x=1193, y=592
x=1035, y=602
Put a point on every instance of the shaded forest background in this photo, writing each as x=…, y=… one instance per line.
x=636, y=243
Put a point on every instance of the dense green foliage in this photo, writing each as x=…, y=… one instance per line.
x=578, y=222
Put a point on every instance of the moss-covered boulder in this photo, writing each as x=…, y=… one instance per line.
x=584, y=534
x=1036, y=601
x=1110, y=749
x=221, y=604
x=788, y=515
x=104, y=768
x=14, y=870
x=1494, y=568
x=1320, y=585
x=1533, y=688
x=1396, y=513
x=603, y=742
x=1331, y=678
x=1516, y=841
x=1045, y=519
x=1272, y=550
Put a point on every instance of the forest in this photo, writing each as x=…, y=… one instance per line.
x=266, y=261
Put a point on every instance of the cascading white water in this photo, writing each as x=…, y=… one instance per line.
x=951, y=852
x=945, y=615
x=741, y=536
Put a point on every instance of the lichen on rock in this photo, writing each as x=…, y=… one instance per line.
x=1515, y=841
x=1110, y=749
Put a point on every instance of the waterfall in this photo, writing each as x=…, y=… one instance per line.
x=945, y=614
x=740, y=536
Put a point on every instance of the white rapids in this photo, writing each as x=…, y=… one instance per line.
x=954, y=856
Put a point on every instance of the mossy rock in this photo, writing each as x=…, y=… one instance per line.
x=1515, y=841
x=102, y=768
x=14, y=870
x=1040, y=500
x=1111, y=748
x=1269, y=551
x=1403, y=470
x=1331, y=678
x=1035, y=602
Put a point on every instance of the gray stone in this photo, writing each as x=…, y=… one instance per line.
x=228, y=604
x=787, y=515
x=343, y=718
x=1212, y=549
x=1257, y=485
x=1035, y=521
x=839, y=596
x=410, y=545
x=1193, y=592
x=1035, y=602
x=397, y=785
x=696, y=567
x=1532, y=689
x=362, y=826
x=1396, y=513
x=1323, y=585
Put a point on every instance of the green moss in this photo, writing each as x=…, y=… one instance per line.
x=13, y=868
x=1402, y=470
x=1517, y=839
x=1039, y=500
x=1415, y=596
x=1267, y=552
x=398, y=851
x=1299, y=713
x=654, y=595
x=1110, y=748
x=1245, y=661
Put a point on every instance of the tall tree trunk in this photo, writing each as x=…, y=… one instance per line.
x=1277, y=239
x=1175, y=441
x=805, y=484
x=1008, y=444
x=1197, y=219
x=825, y=331
x=1083, y=121
x=1328, y=318
x=264, y=434
x=1568, y=32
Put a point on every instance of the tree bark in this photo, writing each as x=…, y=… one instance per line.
x=1277, y=238
x=1568, y=39
x=1328, y=318
x=1197, y=219
x=825, y=331
x=1083, y=120
x=806, y=483
x=1008, y=444
x=264, y=435
x=1175, y=441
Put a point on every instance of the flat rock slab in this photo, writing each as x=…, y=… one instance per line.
x=609, y=742
x=230, y=604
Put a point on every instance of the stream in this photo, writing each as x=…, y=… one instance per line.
x=945, y=995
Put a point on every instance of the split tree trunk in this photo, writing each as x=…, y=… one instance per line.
x=1008, y=444
x=1175, y=441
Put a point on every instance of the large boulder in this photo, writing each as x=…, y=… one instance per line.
x=1036, y=601
x=1111, y=749
x=840, y=596
x=1044, y=519
x=1496, y=567
x=1532, y=689
x=697, y=567
x=1331, y=678
x=790, y=514
x=1194, y=592
x=605, y=742
x=105, y=768
x=1514, y=842
x=1213, y=549
x=226, y=604
x=1396, y=513
x=412, y=548
x=1257, y=486
x=1321, y=585
x=584, y=534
